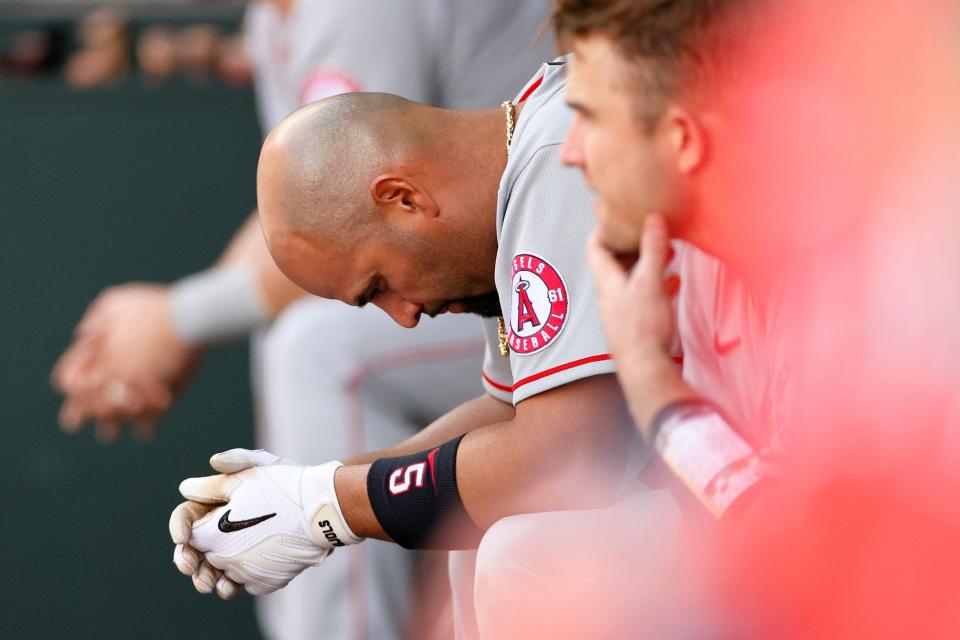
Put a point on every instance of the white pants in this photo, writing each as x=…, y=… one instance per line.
x=595, y=574
x=332, y=381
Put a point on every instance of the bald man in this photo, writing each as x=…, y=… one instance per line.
x=370, y=198
x=329, y=381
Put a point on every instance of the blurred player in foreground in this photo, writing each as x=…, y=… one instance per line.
x=435, y=215
x=786, y=151
x=643, y=144
x=329, y=381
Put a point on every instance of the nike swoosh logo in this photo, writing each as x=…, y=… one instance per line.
x=431, y=459
x=723, y=348
x=227, y=526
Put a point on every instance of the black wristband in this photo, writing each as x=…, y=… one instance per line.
x=416, y=500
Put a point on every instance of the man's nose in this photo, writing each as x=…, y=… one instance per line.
x=404, y=313
x=571, y=152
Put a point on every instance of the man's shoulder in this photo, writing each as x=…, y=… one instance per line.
x=545, y=202
x=549, y=118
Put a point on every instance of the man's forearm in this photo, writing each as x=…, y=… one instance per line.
x=243, y=245
x=351, y=479
x=691, y=436
x=649, y=386
x=470, y=415
x=553, y=457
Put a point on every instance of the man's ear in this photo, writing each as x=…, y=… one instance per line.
x=399, y=195
x=686, y=139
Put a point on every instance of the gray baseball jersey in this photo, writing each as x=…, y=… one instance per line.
x=453, y=53
x=732, y=351
x=544, y=215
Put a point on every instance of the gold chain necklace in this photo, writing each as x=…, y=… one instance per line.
x=502, y=338
x=509, y=111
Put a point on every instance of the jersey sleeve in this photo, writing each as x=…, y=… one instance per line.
x=496, y=375
x=554, y=326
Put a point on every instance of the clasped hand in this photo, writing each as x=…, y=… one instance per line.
x=258, y=524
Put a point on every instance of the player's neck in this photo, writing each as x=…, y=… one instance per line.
x=476, y=151
x=481, y=139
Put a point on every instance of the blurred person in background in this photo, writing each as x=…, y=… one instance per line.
x=156, y=53
x=103, y=55
x=233, y=65
x=33, y=53
x=197, y=50
x=329, y=381
x=787, y=148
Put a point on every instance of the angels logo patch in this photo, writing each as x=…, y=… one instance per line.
x=539, y=304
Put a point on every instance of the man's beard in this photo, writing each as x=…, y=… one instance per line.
x=486, y=305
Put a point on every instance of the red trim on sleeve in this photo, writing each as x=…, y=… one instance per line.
x=495, y=385
x=562, y=367
x=531, y=89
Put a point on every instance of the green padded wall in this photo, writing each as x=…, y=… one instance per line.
x=99, y=187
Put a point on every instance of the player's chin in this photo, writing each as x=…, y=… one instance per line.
x=619, y=244
x=619, y=239
x=615, y=235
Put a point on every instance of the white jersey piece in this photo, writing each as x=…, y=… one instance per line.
x=458, y=54
x=729, y=352
x=544, y=216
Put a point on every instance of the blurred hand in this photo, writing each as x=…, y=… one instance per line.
x=637, y=312
x=125, y=363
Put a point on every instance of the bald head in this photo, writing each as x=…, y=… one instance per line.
x=370, y=197
x=317, y=165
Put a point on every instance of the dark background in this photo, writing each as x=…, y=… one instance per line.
x=127, y=182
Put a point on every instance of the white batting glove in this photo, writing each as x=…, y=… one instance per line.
x=207, y=578
x=261, y=524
